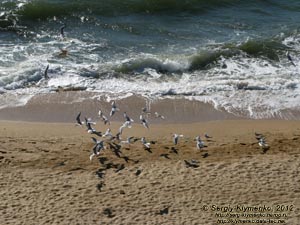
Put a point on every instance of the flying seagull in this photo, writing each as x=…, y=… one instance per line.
x=46, y=73
x=91, y=130
x=146, y=111
x=89, y=121
x=207, y=136
x=62, y=33
x=97, y=148
x=108, y=133
x=78, y=121
x=128, y=120
x=124, y=125
x=145, y=143
x=103, y=117
x=290, y=58
x=157, y=115
x=144, y=122
x=113, y=108
x=259, y=136
x=128, y=141
x=262, y=143
x=176, y=138
x=200, y=143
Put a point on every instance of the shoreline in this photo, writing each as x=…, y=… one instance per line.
x=64, y=107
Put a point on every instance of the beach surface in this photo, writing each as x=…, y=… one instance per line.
x=46, y=176
x=228, y=69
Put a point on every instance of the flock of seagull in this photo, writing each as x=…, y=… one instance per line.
x=108, y=137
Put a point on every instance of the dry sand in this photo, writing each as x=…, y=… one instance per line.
x=47, y=177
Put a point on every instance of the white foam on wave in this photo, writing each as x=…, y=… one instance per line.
x=252, y=87
x=15, y=98
x=246, y=87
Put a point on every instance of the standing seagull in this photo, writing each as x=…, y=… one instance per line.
x=290, y=58
x=176, y=138
x=46, y=73
x=144, y=122
x=113, y=108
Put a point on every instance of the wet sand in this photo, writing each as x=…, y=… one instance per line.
x=64, y=106
x=47, y=177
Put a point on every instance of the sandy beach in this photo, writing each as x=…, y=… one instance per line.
x=47, y=177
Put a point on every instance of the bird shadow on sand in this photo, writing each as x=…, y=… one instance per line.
x=174, y=150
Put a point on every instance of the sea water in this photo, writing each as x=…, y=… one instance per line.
x=230, y=53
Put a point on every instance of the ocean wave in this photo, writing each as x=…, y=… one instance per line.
x=41, y=9
x=139, y=65
x=215, y=59
x=271, y=50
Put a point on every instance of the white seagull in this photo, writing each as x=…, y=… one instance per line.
x=176, y=138
x=290, y=58
x=145, y=143
x=157, y=115
x=128, y=120
x=127, y=124
x=108, y=133
x=103, y=117
x=200, y=143
x=207, y=136
x=97, y=148
x=262, y=143
x=89, y=121
x=113, y=108
x=91, y=130
x=128, y=141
